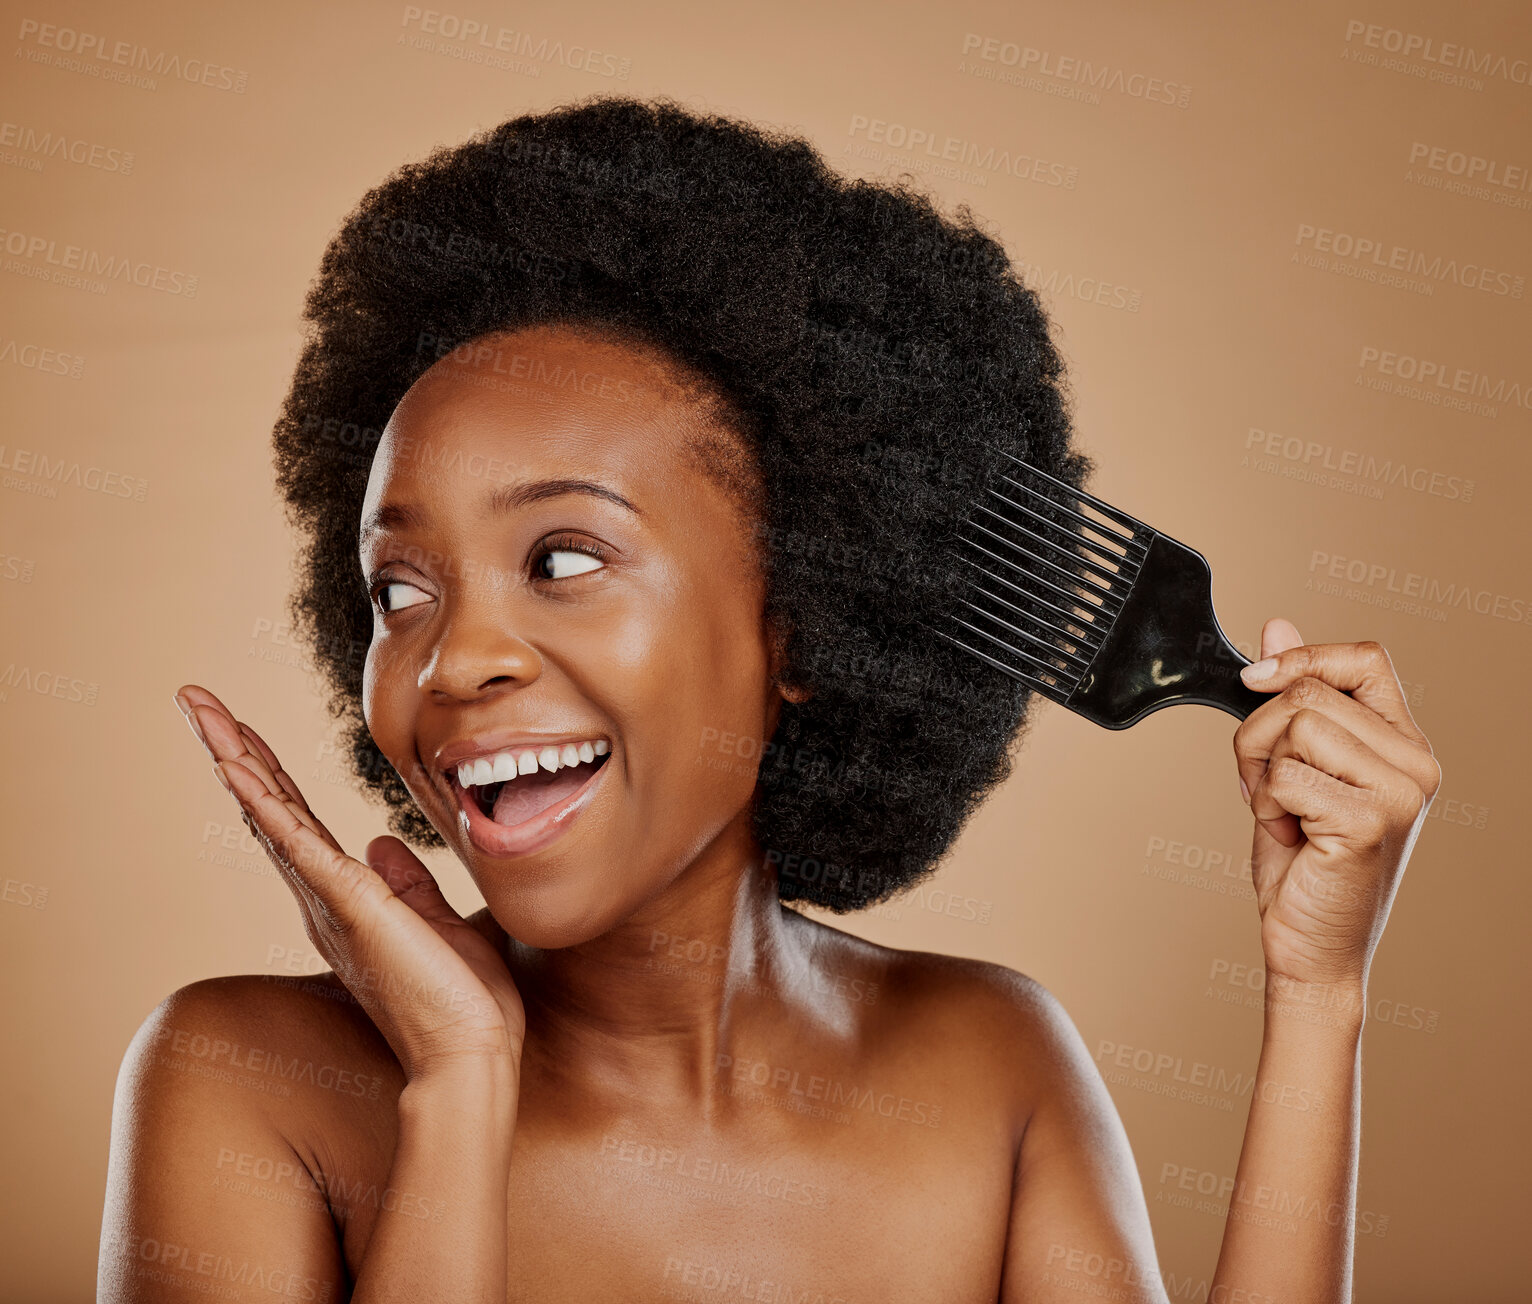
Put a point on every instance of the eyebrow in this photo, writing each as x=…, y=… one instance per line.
x=504, y=498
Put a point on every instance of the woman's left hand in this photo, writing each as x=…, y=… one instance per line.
x=1339, y=778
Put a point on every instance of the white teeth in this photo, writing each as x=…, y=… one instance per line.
x=507, y=765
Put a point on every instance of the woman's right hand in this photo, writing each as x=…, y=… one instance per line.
x=434, y=985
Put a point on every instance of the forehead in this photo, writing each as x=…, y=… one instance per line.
x=548, y=401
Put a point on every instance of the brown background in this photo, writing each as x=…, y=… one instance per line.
x=118, y=884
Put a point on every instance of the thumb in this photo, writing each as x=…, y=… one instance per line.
x=406, y=874
x=1278, y=635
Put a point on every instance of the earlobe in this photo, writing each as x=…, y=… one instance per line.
x=794, y=693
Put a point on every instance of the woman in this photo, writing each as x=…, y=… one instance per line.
x=624, y=443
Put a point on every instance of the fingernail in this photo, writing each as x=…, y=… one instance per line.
x=229, y=788
x=182, y=705
x=1243, y=790
x=191, y=719
x=1259, y=670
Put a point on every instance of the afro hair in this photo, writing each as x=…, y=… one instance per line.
x=876, y=358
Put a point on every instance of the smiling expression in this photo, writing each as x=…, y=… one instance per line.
x=548, y=567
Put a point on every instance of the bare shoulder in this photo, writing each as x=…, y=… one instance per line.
x=238, y=1100
x=297, y=1057
x=998, y=1045
x=979, y=996
x=259, y=1024
x=985, y=1024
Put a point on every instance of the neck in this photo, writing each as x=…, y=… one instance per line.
x=651, y=1006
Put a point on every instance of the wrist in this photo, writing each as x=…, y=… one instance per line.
x=483, y=1088
x=1334, y=1006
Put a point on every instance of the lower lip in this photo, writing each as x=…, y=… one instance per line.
x=532, y=834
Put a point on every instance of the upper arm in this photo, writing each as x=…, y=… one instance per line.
x=1079, y=1226
x=205, y=1196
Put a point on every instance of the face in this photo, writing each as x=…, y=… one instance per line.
x=555, y=584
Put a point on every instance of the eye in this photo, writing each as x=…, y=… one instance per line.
x=386, y=604
x=580, y=556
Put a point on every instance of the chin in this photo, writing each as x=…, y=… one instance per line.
x=552, y=915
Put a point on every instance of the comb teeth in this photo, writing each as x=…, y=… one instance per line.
x=1047, y=580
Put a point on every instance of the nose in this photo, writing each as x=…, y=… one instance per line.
x=477, y=654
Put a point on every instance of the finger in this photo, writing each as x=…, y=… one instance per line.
x=243, y=787
x=195, y=696
x=1331, y=812
x=238, y=778
x=222, y=740
x=1258, y=734
x=227, y=739
x=1277, y=635
x=252, y=762
x=220, y=734
x=258, y=745
x=1324, y=745
x=1364, y=670
x=339, y=884
x=279, y=781
x=1358, y=782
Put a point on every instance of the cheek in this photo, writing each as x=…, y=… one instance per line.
x=372, y=688
x=687, y=693
x=385, y=700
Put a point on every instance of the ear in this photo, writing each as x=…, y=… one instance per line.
x=791, y=692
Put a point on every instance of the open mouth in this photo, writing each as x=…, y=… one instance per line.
x=509, y=802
